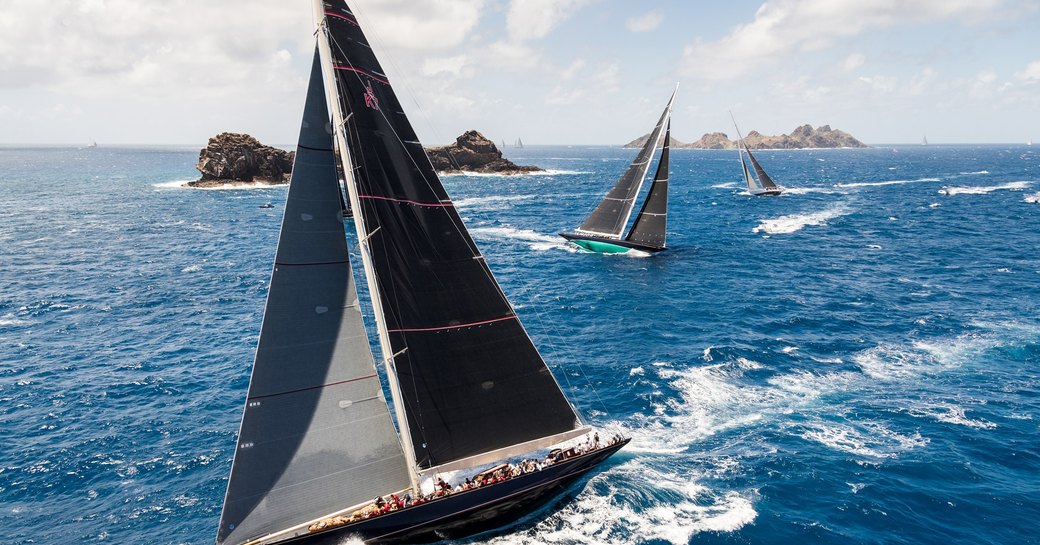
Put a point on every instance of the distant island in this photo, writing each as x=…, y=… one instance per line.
x=472, y=152
x=236, y=159
x=802, y=137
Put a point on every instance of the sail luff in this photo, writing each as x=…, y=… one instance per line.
x=363, y=234
x=747, y=173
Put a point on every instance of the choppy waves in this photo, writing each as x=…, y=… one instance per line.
x=796, y=222
x=982, y=190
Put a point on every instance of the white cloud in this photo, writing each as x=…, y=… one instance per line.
x=852, y=62
x=531, y=19
x=455, y=66
x=645, y=23
x=880, y=84
x=417, y=24
x=1031, y=74
x=922, y=81
x=784, y=27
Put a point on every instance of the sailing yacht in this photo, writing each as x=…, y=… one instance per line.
x=759, y=184
x=602, y=230
x=317, y=442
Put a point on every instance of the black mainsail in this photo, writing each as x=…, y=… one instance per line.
x=760, y=183
x=603, y=228
x=471, y=385
x=314, y=382
x=317, y=442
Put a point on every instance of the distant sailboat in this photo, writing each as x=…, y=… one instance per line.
x=924, y=140
x=1029, y=143
x=601, y=232
x=503, y=143
x=92, y=145
x=316, y=441
x=519, y=143
x=763, y=185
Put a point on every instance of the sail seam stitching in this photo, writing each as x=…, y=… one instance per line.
x=313, y=387
x=456, y=326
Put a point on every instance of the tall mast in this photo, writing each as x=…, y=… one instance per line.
x=339, y=124
x=646, y=168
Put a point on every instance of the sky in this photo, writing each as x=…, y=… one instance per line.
x=576, y=72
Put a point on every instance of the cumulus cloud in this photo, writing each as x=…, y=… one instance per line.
x=531, y=19
x=1031, y=74
x=852, y=62
x=645, y=23
x=782, y=27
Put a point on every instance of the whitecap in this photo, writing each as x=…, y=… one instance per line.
x=887, y=182
x=950, y=414
x=868, y=439
x=535, y=240
x=1034, y=198
x=175, y=184
x=976, y=173
x=982, y=190
x=490, y=202
x=795, y=222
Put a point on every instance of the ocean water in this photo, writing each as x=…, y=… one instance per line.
x=856, y=361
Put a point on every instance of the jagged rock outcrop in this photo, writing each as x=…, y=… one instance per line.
x=802, y=137
x=472, y=152
x=231, y=158
x=713, y=140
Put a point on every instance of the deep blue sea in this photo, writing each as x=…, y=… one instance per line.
x=854, y=362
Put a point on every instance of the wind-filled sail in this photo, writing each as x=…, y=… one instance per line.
x=763, y=179
x=611, y=216
x=470, y=379
x=649, y=227
x=316, y=436
x=752, y=185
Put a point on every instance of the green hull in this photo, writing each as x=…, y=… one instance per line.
x=600, y=247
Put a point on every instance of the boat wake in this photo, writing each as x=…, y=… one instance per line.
x=535, y=240
x=887, y=182
x=796, y=222
x=811, y=189
x=982, y=190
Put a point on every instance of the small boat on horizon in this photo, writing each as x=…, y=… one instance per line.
x=601, y=232
x=759, y=184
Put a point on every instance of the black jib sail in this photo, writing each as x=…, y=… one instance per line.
x=763, y=179
x=652, y=221
x=472, y=385
x=314, y=384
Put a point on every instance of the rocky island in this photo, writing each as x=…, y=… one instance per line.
x=472, y=152
x=234, y=158
x=802, y=137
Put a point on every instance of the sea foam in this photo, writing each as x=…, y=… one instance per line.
x=796, y=222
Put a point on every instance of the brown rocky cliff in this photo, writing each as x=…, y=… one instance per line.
x=472, y=152
x=235, y=158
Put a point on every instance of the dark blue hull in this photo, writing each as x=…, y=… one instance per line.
x=466, y=513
